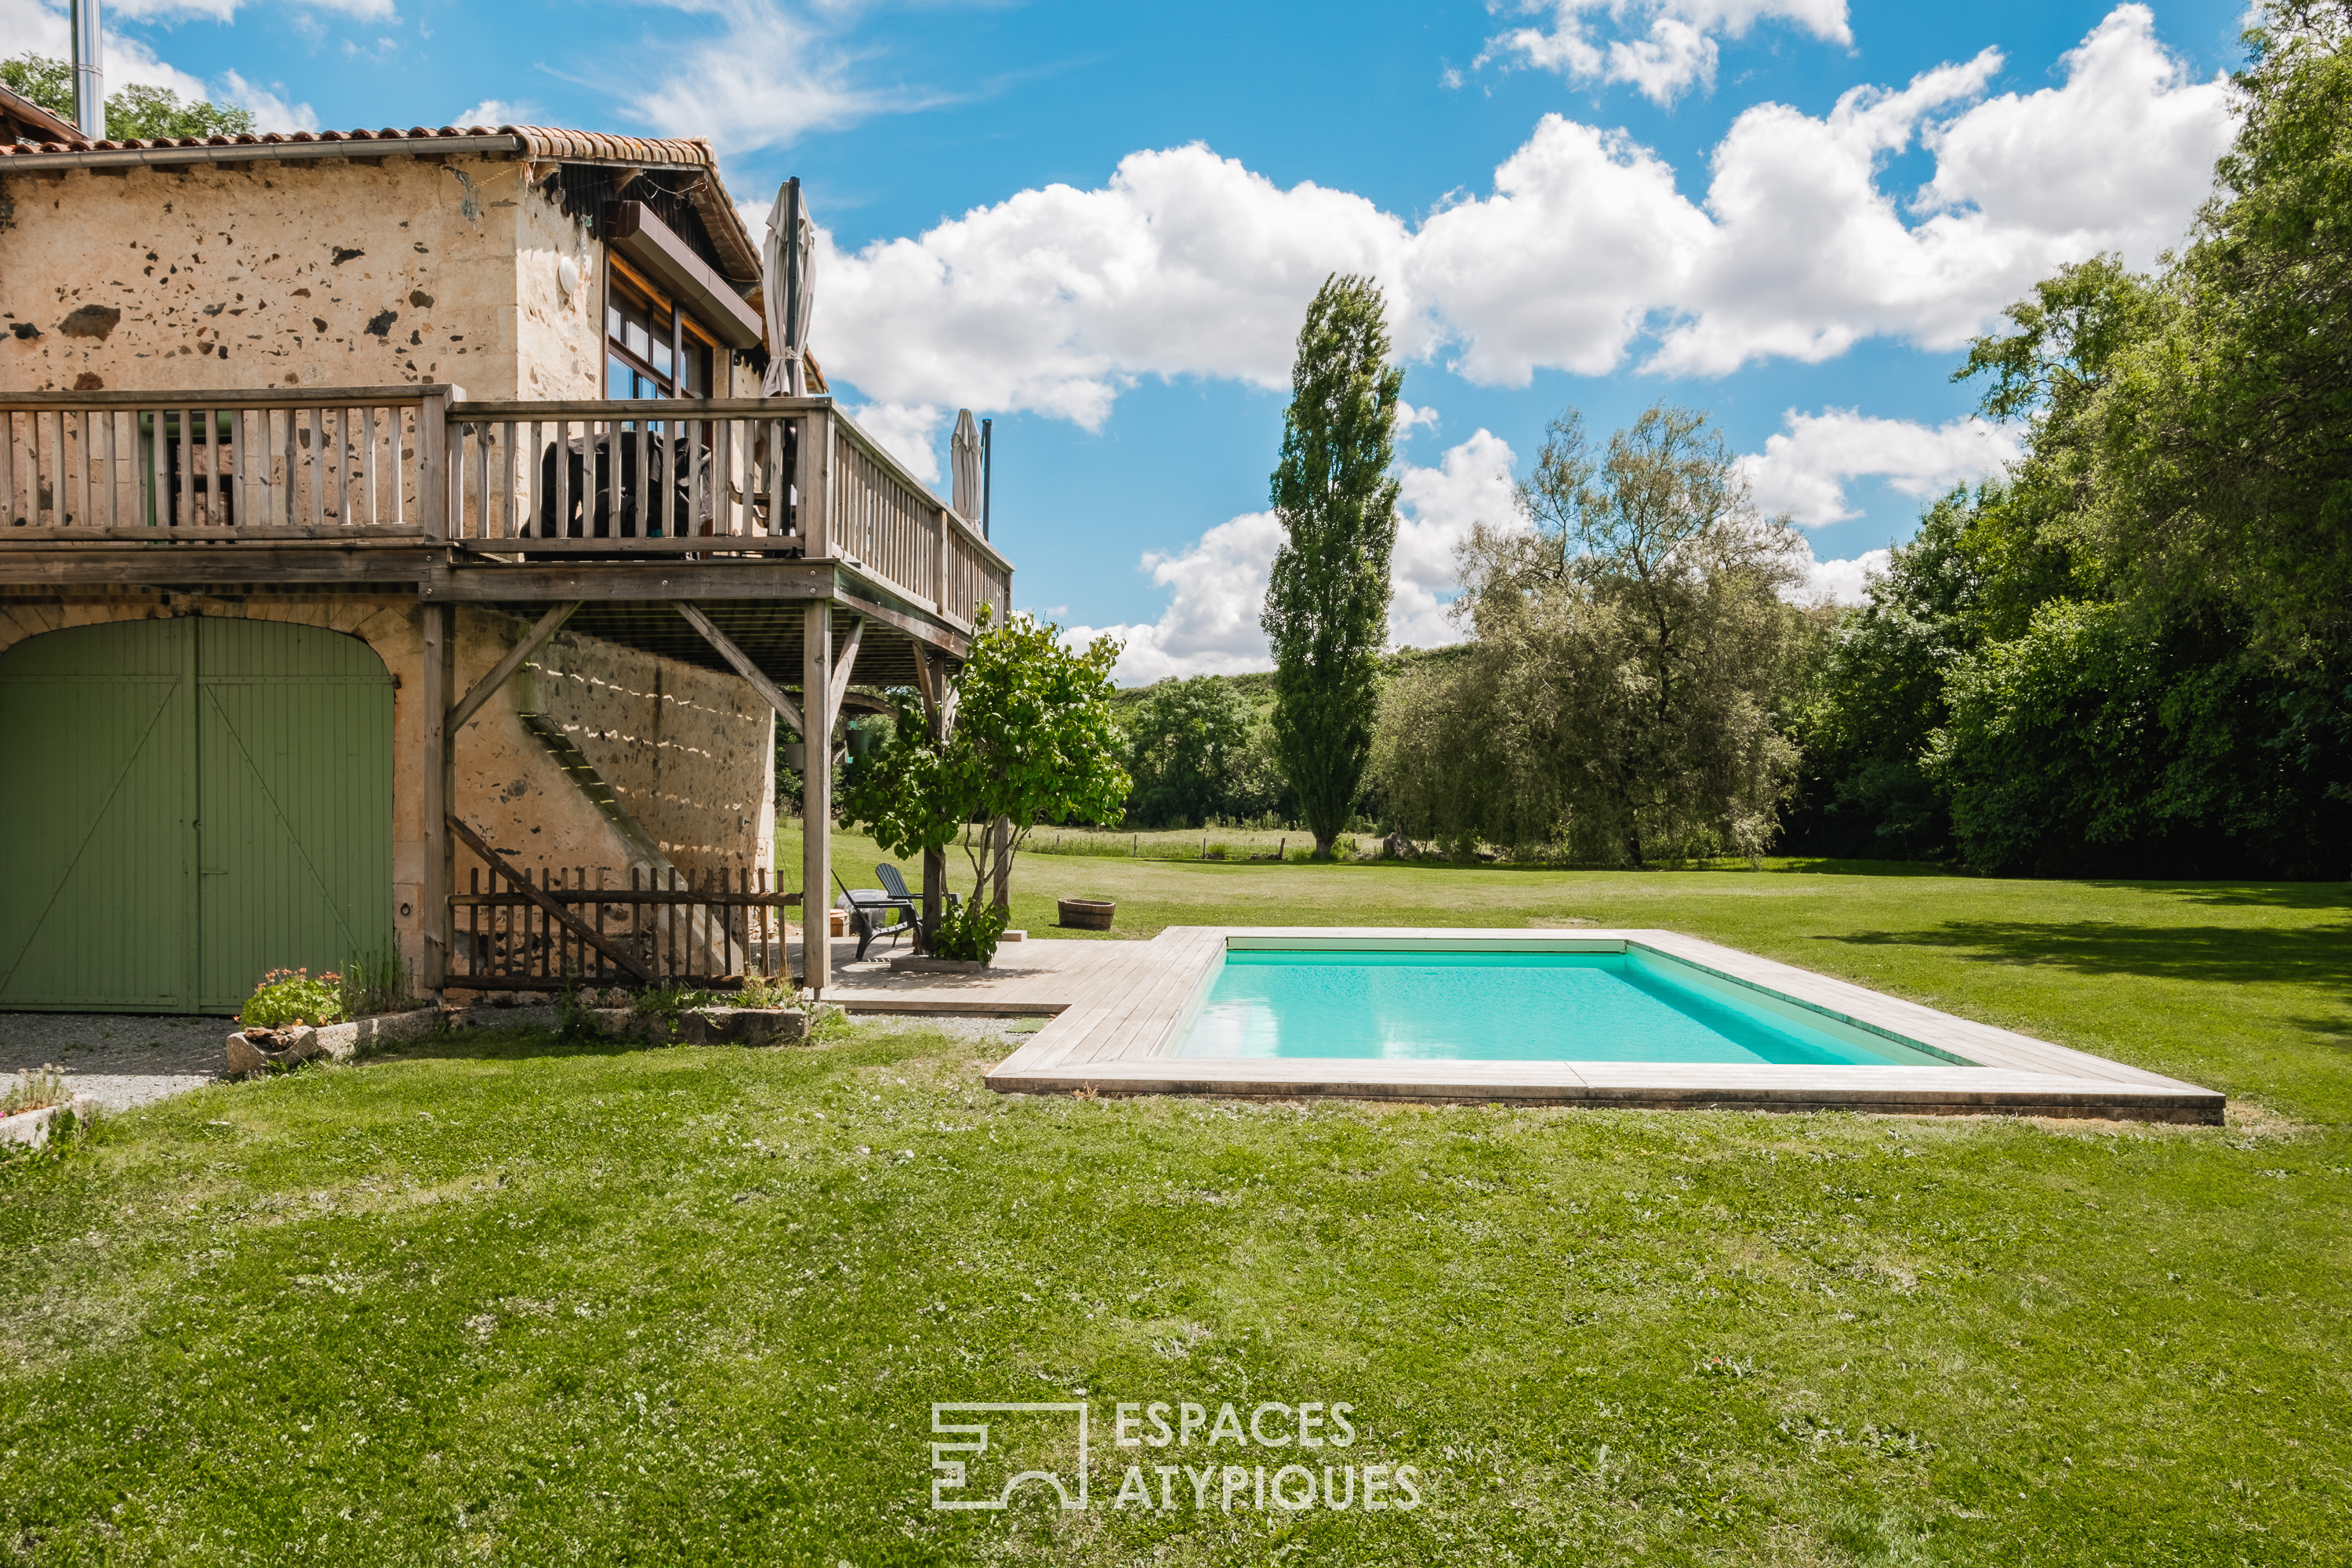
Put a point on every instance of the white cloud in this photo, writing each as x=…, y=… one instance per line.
x=1187, y=264
x=1674, y=52
x=2132, y=120
x=270, y=112
x=1218, y=584
x=1803, y=470
x=909, y=432
x=1584, y=236
x=1409, y=418
x=498, y=111
x=1808, y=256
x=1210, y=626
x=1472, y=483
x=1842, y=582
x=768, y=73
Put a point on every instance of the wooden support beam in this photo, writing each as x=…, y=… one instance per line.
x=767, y=690
x=841, y=673
x=521, y=882
x=816, y=796
x=438, y=767
x=924, y=677
x=928, y=679
x=488, y=685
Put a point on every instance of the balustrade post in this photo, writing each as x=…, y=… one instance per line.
x=816, y=485
x=433, y=478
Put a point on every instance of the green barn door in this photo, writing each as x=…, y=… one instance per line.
x=185, y=804
x=98, y=772
x=294, y=836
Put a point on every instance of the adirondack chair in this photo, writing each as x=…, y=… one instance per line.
x=896, y=885
x=867, y=907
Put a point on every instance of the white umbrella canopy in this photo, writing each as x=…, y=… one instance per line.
x=787, y=269
x=963, y=467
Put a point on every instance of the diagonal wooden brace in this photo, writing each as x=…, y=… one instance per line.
x=848, y=661
x=554, y=912
x=483, y=688
x=786, y=708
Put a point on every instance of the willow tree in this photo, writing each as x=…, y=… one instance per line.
x=1621, y=697
x=1327, y=606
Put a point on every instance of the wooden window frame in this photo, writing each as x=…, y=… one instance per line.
x=682, y=326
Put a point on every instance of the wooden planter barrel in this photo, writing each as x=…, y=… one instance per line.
x=1087, y=914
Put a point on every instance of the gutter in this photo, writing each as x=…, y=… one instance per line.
x=493, y=146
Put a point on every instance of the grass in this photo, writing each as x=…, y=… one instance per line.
x=502, y=1298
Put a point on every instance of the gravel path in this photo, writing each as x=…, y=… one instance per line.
x=121, y=1060
x=1007, y=1032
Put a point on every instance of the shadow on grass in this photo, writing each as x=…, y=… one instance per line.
x=1830, y=865
x=2252, y=894
x=2317, y=957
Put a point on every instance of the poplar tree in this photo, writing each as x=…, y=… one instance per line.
x=1327, y=606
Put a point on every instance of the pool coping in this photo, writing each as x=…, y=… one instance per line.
x=1113, y=1037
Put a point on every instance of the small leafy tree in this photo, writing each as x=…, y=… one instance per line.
x=1188, y=750
x=1327, y=606
x=138, y=112
x=1029, y=738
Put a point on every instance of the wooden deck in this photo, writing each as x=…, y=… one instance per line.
x=1117, y=1005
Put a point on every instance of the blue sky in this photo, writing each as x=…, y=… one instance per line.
x=1685, y=212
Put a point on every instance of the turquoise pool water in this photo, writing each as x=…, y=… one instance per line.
x=1453, y=1005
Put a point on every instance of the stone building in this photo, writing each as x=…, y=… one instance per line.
x=339, y=545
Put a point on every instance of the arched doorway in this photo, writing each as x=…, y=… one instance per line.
x=185, y=804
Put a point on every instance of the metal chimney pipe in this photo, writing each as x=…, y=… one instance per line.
x=90, y=72
x=987, y=463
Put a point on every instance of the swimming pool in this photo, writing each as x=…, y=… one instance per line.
x=1461, y=1001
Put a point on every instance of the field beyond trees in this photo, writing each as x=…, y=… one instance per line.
x=506, y=1299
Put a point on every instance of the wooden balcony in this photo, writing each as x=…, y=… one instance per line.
x=623, y=507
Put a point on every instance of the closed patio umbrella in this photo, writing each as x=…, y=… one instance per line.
x=787, y=264
x=963, y=464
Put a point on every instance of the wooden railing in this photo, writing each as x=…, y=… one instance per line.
x=631, y=475
x=785, y=476
x=269, y=464
x=516, y=932
x=713, y=477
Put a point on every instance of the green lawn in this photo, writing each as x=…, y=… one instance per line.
x=506, y=1299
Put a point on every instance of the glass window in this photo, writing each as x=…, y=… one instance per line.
x=642, y=339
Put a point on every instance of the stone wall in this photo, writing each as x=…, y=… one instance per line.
x=320, y=273
x=688, y=753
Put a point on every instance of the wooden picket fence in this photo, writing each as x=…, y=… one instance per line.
x=569, y=928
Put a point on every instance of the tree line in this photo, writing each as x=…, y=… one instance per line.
x=2131, y=654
